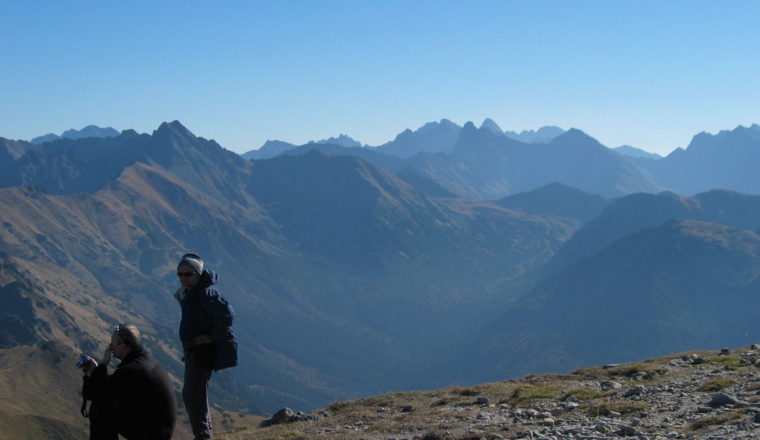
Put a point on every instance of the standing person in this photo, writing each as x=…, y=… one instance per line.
x=207, y=338
x=136, y=400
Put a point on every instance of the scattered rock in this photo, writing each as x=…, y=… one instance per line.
x=670, y=406
x=641, y=375
x=610, y=385
x=722, y=399
x=635, y=391
x=281, y=416
x=627, y=431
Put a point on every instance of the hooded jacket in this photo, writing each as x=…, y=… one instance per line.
x=206, y=312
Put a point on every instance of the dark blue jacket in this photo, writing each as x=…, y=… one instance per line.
x=206, y=312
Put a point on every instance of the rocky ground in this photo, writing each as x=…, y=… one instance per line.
x=696, y=395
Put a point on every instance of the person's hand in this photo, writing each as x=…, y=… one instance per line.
x=107, y=355
x=89, y=365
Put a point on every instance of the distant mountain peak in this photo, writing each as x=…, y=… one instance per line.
x=542, y=135
x=173, y=129
x=432, y=137
x=490, y=125
x=575, y=136
x=342, y=140
x=469, y=126
x=270, y=149
x=90, y=131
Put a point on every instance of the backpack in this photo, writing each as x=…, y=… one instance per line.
x=225, y=343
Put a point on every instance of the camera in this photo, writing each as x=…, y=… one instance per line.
x=83, y=358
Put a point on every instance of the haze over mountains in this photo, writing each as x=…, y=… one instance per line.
x=89, y=131
x=469, y=256
x=488, y=163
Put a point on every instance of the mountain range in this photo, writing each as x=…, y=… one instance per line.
x=342, y=275
x=488, y=163
x=354, y=272
x=88, y=131
x=725, y=160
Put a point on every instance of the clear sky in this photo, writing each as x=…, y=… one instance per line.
x=645, y=73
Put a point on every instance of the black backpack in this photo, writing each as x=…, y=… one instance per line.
x=225, y=346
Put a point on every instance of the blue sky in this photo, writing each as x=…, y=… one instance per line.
x=646, y=73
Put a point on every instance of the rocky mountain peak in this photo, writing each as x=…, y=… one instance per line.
x=173, y=129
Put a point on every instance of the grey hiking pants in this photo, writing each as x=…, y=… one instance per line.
x=195, y=391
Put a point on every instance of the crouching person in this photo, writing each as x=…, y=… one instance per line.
x=136, y=400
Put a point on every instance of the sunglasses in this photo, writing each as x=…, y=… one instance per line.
x=185, y=274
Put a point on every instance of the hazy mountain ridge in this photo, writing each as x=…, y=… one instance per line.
x=638, y=211
x=88, y=131
x=503, y=166
x=499, y=163
x=556, y=199
x=673, y=287
x=634, y=152
x=726, y=160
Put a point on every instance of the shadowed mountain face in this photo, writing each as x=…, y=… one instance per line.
x=494, y=166
x=726, y=160
x=485, y=164
x=556, y=199
x=637, y=211
x=433, y=137
x=344, y=277
x=665, y=289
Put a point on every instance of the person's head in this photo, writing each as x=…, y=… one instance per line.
x=124, y=339
x=189, y=269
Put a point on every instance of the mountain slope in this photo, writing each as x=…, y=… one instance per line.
x=675, y=287
x=725, y=160
x=492, y=166
x=432, y=137
x=556, y=199
x=637, y=211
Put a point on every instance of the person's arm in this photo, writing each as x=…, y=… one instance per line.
x=96, y=384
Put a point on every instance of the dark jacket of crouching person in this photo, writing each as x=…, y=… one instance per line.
x=136, y=400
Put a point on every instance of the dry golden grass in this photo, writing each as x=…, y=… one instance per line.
x=584, y=394
x=727, y=361
x=734, y=416
x=716, y=384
